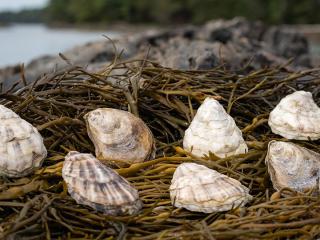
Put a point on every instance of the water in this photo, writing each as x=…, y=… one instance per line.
x=23, y=42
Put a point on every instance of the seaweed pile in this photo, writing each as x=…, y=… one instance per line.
x=38, y=206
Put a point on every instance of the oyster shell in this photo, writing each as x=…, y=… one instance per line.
x=212, y=129
x=21, y=145
x=198, y=188
x=296, y=116
x=292, y=166
x=119, y=136
x=93, y=184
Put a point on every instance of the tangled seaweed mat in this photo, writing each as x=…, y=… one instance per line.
x=38, y=206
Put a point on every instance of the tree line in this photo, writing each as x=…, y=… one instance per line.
x=181, y=11
x=169, y=11
x=23, y=16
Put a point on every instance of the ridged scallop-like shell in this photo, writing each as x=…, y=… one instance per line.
x=200, y=189
x=93, y=184
x=292, y=166
x=21, y=145
x=119, y=136
x=296, y=116
x=212, y=129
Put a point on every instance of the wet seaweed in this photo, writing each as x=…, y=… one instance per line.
x=38, y=206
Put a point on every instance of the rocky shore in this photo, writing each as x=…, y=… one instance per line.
x=236, y=43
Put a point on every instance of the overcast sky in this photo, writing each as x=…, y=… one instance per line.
x=14, y=5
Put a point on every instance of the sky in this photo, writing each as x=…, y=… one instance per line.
x=15, y=5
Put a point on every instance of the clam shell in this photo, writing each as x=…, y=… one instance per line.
x=21, y=145
x=292, y=166
x=93, y=184
x=212, y=129
x=296, y=116
x=200, y=189
x=119, y=136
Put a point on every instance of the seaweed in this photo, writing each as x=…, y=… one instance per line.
x=38, y=206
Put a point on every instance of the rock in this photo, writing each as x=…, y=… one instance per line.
x=202, y=55
x=234, y=43
x=100, y=52
x=181, y=53
x=225, y=31
x=157, y=38
x=94, y=52
x=288, y=43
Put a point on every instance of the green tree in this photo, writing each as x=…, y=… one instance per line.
x=58, y=10
x=173, y=11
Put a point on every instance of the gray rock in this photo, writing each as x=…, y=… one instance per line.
x=288, y=43
x=227, y=30
x=279, y=43
x=86, y=55
x=180, y=53
x=234, y=43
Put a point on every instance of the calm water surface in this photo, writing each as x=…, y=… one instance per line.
x=22, y=43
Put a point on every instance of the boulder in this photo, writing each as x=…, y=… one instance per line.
x=181, y=53
x=288, y=43
x=235, y=43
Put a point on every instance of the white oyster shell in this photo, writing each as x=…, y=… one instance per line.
x=93, y=184
x=292, y=166
x=296, y=116
x=21, y=146
x=198, y=188
x=212, y=129
x=119, y=136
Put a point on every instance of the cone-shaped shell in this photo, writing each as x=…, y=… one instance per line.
x=119, y=136
x=93, y=184
x=296, y=116
x=200, y=189
x=292, y=166
x=212, y=129
x=21, y=146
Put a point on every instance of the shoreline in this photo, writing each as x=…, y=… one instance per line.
x=4, y=24
x=119, y=26
x=311, y=31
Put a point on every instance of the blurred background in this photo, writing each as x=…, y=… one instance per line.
x=29, y=28
x=160, y=12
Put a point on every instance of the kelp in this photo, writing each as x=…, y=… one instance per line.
x=38, y=206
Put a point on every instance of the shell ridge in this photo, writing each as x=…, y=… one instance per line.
x=21, y=146
x=128, y=138
x=206, y=190
x=296, y=116
x=99, y=187
x=292, y=166
x=205, y=134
